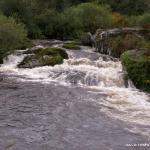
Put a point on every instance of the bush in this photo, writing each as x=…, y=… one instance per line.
x=47, y=22
x=23, y=11
x=128, y=7
x=12, y=35
x=92, y=16
x=119, y=20
x=137, y=65
x=68, y=27
x=144, y=20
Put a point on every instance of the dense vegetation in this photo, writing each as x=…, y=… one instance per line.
x=66, y=19
x=12, y=35
x=137, y=64
x=21, y=20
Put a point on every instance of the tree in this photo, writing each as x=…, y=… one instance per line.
x=93, y=16
x=12, y=36
x=128, y=7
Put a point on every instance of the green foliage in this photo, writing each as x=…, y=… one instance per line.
x=119, y=20
x=67, y=26
x=12, y=35
x=140, y=20
x=138, y=68
x=51, y=61
x=128, y=7
x=51, y=56
x=47, y=22
x=43, y=57
x=23, y=11
x=144, y=20
x=69, y=19
x=52, y=52
x=92, y=16
x=71, y=45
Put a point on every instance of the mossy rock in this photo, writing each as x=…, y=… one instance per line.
x=43, y=57
x=51, y=60
x=72, y=45
x=122, y=43
x=52, y=52
x=87, y=39
x=137, y=64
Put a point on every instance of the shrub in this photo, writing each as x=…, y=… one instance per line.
x=138, y=68
x=47, y=22
x=69, y=26
x=129, y=7
x=144, y=20
x=119, y=20
x=12, y=35
x=92, y=16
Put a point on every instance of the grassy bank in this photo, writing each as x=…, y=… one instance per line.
x=137, y=64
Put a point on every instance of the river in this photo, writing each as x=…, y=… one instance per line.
x=82, y=104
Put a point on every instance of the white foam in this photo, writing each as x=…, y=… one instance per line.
x=127, y=104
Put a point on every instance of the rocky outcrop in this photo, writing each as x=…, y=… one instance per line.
x=104, y=38
x=43, y=57
x=87, y=39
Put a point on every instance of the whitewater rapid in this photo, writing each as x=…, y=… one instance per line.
x=96, y=72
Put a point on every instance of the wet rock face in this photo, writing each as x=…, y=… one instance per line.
x=43, y=57
x=87, y=39
x=30, y=61
x=115, y=41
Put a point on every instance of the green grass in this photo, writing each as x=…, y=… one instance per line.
x=51, y=61
x=52, y=52
x=51, y=56
x=43, y=57
x=138, y=68
x=72, y=46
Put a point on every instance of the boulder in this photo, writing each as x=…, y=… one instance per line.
x=43, y=57
x=114, y=41
x=87, y=39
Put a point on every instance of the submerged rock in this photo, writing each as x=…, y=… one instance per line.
x=43, y=57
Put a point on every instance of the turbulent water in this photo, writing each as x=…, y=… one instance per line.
x=104, y=113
